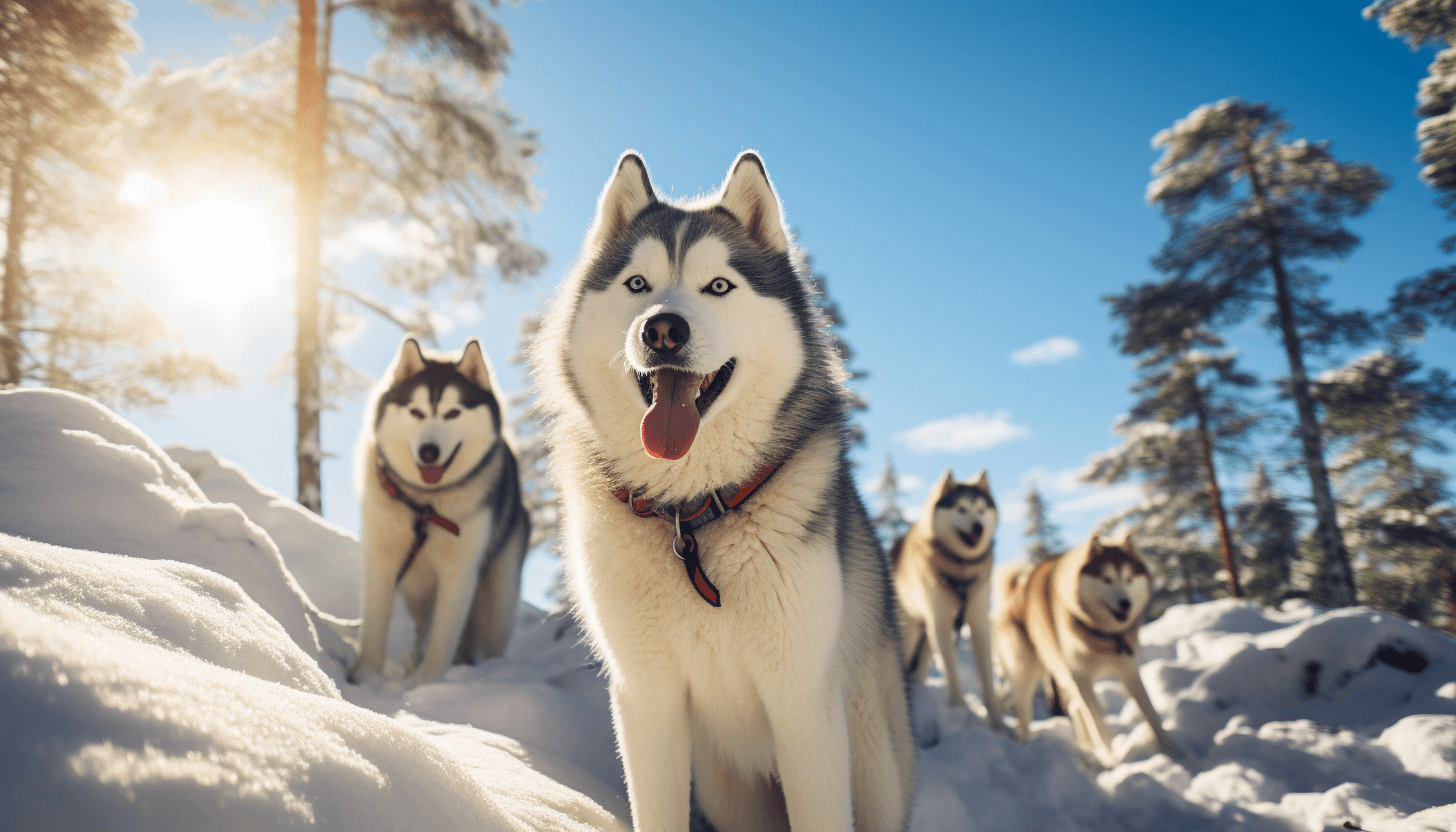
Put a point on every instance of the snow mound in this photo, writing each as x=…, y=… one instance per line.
x=132, y=716
x=74, y=474
x=328, y=572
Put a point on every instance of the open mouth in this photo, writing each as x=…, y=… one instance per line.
x=972, y=538
x=431, y=474
x=676, y=401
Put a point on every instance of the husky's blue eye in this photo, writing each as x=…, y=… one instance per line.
x=417, y=413
x=454, y=412
x=637, y=283
x=719, y=286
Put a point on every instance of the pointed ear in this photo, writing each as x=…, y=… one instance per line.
x=409, y=360
x=982, y=481
x=1127, y=544
x=473, y=365
x=1094, y=545
x=626, y=195
x=749, y=197
x=943, y=485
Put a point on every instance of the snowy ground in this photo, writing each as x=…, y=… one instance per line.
x=173, y=639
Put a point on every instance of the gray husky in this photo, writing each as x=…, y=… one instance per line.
x=715, y=547
x=443, y=522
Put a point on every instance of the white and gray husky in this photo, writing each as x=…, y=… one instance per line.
x=442, y=517
x=943, y=580
x=715, y=547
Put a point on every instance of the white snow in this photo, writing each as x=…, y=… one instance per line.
x=173, y=638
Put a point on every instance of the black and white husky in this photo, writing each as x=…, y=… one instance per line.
x=715, y=547
x=442, y=518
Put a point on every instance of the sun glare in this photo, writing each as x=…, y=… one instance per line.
x=222, y=250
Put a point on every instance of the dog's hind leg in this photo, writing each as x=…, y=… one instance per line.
x=735, y=801
x=497, y=599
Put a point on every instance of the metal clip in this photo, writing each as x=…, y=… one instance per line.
x=677, y=544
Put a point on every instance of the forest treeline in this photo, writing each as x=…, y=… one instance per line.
x=1340, y=499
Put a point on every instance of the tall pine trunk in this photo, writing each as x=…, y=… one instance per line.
x=1215, y=495
x=12, y=288
x=309, y=127
x=1335, y=576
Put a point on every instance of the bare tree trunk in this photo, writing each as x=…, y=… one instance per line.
x=1216, y=496
x=13, y=286
x=1448, y=578
x=309, y=127
x=1336, y=574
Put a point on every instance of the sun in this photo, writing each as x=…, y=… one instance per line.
x=223, y=249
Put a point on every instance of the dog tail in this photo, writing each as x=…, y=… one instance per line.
x=1011, y=580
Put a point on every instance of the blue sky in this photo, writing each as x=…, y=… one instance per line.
x=969, y=177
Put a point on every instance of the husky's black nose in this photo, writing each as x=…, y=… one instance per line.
x=1124, y=605
x=665, y=332
x=429, y=452
x=976, y=530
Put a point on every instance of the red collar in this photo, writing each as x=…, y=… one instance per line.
x=424, y=513
x=716, y=504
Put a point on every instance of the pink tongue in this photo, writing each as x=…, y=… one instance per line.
x=671, y=423
x=431, y=473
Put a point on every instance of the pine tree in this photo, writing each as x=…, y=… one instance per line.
x=889, y=520
x=1043, y=537
x=1268, y=533
x=1163, y=328
x=538, y=489
x=1429, y=298
x=417, y=144
x=830, y=308
x=1380, y=415
x=1245, y=209
x=1172, y=522
x=64, y=320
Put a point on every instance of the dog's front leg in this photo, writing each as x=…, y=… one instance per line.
x=650, y=715
x=978, y=614
x=1132, y=681
x=454, y=590
x=811, y=743
x=376, y=608
x=942, y=636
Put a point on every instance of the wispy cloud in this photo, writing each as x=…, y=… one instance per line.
x=1050, y=351
x=964, y=433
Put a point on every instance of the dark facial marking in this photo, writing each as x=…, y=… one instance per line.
x=436, y=376
x=1113, y=556
x=960, y=490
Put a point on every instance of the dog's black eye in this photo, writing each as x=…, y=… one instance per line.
x=637, y=283
x=719, y=286
x=417, y=413
x=453, y=413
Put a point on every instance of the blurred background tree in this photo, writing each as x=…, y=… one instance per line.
x=65, y=321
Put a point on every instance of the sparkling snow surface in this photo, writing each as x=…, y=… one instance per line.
x=173, y=640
